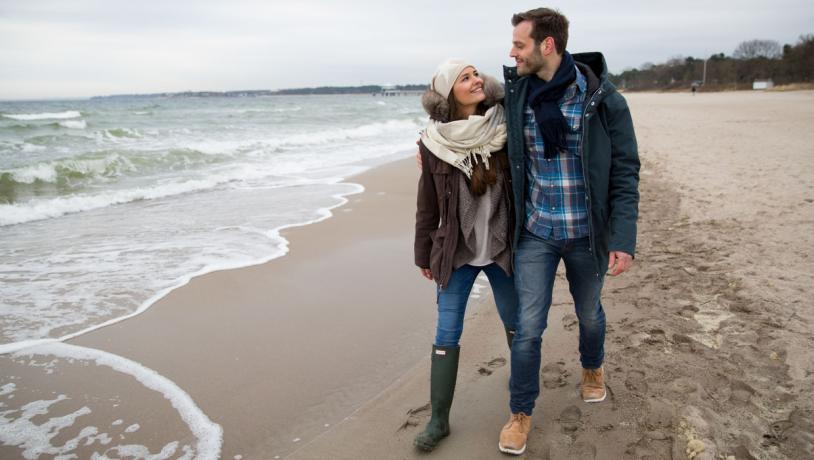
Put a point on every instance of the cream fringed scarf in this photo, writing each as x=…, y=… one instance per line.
x=462, y=143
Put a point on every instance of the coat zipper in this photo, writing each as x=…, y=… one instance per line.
x=585, y=177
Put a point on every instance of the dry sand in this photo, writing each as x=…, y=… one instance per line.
x=324, y=353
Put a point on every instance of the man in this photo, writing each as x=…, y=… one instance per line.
x=575, y=173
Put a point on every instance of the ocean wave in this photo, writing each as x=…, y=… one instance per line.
x=270, y=110
x=39, y=209
x=38, y=125
x=363, y=131
x=43, y=116
x=122, y=133
x=105, y=165
x=294, y=141
x=109, y=165
x=74, y=124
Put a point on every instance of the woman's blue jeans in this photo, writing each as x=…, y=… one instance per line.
x=536, y=262
x=452, y=301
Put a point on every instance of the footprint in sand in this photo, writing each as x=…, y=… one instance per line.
x=570, y=418
x=636, y=382
x=564, y=447
x=415, y=415
x=684, y=342
x=688, y=311
x=795, y=435
x=741, y=393
x=554, y=375
x=684, y=386
x=489, y=367
x=648, y=447
x=569, y=322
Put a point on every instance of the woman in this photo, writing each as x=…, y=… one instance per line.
x=464, y=217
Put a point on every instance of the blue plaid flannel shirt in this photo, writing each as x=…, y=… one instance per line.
x=555, y=191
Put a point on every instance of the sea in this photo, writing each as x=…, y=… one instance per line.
x=107, y=204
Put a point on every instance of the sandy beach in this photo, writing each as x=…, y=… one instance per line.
x=324, y=352
x=709, y=336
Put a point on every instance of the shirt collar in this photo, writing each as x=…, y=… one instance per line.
x=580, y=85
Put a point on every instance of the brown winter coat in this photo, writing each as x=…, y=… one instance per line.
x=437, y=228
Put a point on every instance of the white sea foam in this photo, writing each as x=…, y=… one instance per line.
x=280, y=243
x=12, y=214
x=375, y=131
x=33, y=439
x=7, y=389
x=29, y=174
x=74, y=124
x=111, y=165
x=36, y=439
x=118, y=133
x=44, y=116
x=114, y=164
x=363, y=131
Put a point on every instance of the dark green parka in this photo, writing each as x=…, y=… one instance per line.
x=610, y=160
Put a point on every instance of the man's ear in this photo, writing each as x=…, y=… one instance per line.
x=547, y=46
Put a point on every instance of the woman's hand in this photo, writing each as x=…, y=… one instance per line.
x=426, y=273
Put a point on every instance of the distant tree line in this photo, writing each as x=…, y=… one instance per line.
x=751, y=60
x=365, y=89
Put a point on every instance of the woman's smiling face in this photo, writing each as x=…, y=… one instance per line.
x=468, y=89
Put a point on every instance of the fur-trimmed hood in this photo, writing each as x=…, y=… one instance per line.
x=438, y=108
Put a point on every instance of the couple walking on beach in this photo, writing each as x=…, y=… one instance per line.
x=512, y=182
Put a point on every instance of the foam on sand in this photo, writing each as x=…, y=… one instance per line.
x=35, y=439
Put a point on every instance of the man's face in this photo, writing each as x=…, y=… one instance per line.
x=525, y=52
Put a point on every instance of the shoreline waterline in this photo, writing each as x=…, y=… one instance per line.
x=274, y=234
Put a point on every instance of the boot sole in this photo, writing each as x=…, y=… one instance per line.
x=428, y=447
x=596, y=400
x=506, y=450
x=424, y=447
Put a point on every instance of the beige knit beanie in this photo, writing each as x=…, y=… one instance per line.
x=446, y=74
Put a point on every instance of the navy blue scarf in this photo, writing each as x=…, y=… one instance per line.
x=544, y=97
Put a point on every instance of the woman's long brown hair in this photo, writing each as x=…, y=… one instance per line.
x=482, y=178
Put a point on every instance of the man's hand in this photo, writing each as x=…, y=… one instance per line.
x=426, y=273
x=418, y=159
x=619, y=262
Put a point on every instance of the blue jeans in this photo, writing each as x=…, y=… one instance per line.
x=452, y=301
x=536, y=262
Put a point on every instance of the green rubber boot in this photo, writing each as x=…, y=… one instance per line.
x=443, y=374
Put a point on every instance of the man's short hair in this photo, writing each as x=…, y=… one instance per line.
x=545, y=22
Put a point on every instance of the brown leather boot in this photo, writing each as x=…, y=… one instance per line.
x=593, y=385
x=514, y=434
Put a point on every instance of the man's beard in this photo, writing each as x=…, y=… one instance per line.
x=533, y=64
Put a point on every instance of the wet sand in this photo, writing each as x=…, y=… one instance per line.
x=324, y=353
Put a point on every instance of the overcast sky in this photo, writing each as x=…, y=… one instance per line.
x=77, y=48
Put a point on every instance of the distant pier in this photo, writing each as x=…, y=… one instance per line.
x=398, y=92
x=388, y=91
